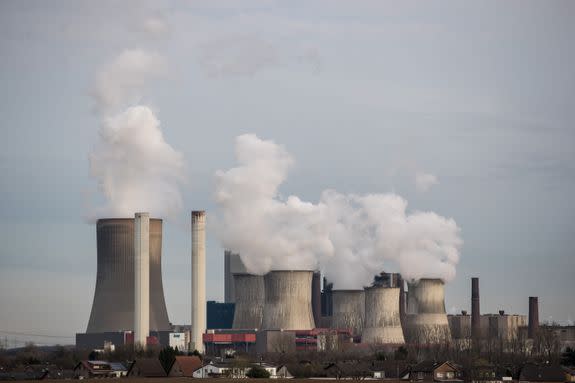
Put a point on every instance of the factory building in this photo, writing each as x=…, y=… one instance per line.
x=219, y=315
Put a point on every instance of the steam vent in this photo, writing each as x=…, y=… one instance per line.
x=249, y=298
x=382, y=321
x=113, y=307
x=288, y=300
x=348, y=310
x=426, y=317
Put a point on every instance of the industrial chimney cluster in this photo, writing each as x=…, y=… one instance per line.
x=129, y=305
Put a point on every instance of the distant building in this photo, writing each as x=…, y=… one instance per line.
x=220, y=315
x=88, y=369
x=431, y=371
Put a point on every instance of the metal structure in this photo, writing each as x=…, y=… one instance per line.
x=198, y=279
x=475, y=311
x=348, y=310
x=232, y=265
x=141, y=278
x=426, y=320
x=250, y=298
x=533, y=317
x=288, y=300
x=114, y=296
x=382, y=324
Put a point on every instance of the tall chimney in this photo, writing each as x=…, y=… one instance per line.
x=475, y=311
x=316, y=297
x=533, y=317
x=198, y=279
x=141, y=278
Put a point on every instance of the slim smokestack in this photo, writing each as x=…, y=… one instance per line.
x=533, y=317
x=316, y=297
x=475, y=311
x=198, y=279
x=141, y=278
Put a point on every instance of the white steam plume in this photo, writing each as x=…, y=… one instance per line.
x=136, y=169
x=350, y=237
x=425, y=181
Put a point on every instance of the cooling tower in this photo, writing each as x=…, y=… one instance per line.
x=288, y=300
x=382, y=323
x=348, y=310
x=249, y=298
x=114, y=296
x=426, y=320
x=198, y=280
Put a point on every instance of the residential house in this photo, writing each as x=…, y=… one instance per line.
x=147, y=368
x=99, y=369
x=185, y=366
x=221, y=369
x=431, y=371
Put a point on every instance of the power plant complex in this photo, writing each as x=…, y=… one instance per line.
x=287, y=310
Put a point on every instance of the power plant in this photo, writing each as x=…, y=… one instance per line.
x=426, y=320
x=249, y=299
x=288, y=300
x=281, y=306
x=382, y=321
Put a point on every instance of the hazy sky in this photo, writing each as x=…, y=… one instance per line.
x=463, y=108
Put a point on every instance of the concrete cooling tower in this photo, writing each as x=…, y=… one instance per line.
x=426, y=320
x=382, y=322
x=348, y=310
x=288, y=300
x=249, y=298
x=113, y=306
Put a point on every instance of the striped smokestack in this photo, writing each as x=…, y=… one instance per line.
x=533, y=317
x=475, y=311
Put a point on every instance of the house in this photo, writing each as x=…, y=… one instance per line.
x=99, y=369
x=275, y=371
x=431, y=371
x=349, y=369
x=185, y=366
x=147, y=368
x=221, y=369
x=541, y=374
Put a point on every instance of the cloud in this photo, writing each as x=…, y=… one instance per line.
x=425, y=181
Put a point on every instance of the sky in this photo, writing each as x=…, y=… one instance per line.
x=466, y=109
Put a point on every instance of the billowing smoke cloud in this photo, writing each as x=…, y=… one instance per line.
x=136, y=169
x=425, y=181
x=350, y=237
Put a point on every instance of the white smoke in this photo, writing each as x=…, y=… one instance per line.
x=136, y=169
x=350, y=237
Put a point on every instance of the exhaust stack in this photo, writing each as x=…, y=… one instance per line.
x=533, y=317
x=382, y=324
x=141, y=278
x=475, y=311
x=426, y=319
x=198, y=280
x=288, y=300
x=249, y=298
x=348, y=310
